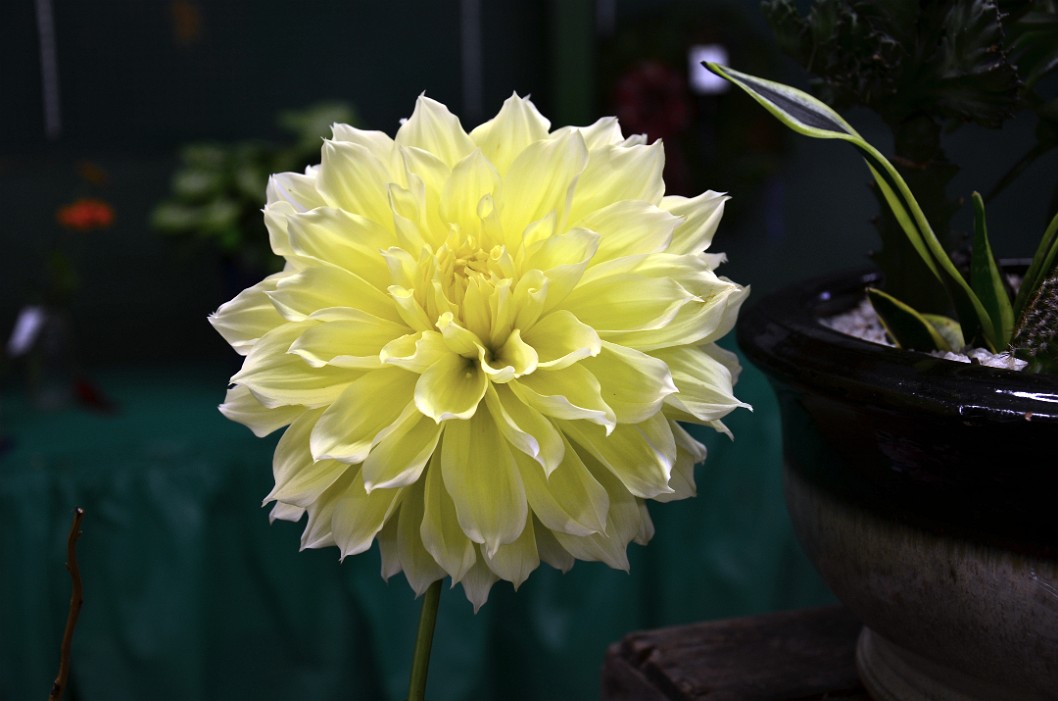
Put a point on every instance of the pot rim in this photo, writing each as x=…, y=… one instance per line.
x=782, y=335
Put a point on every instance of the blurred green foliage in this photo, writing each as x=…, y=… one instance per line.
x=218, y=190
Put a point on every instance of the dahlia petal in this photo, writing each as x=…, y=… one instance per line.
x=719, y=427
x=248, y=316
x=703, y=321
x=550, y=550
x=415, y=351
x=352, y=343
x=529, y=298
x=276, y=219
x=295, y=189
x=687, y=270
x=605, y=131
x=629, y=227
x=438, y=304
x=726, y=358
x=440, y=532
x=401, y=454
x=568, y=393
x=318, y=532
x=616, y=173
x=321, y=287
x=285, y=512
x=543, y=175
x=563, y=260
x=506, y=135
x=629, y=302
x=300, y=480
x=378, y=143
x=536, y=233
x=515, y=561
x=722, y=298
x=624, y=523
x=403, y=267
x=596, y=547
x=515, y=358
x=636, y=383
x=359, y=515
x=701, y=216
x=241, y=406
x=347, y=429
x=420, y=201
x=433, y=128
x=278, y=378
x=343, y=239
x=388, y=547
x=639, y=455
x=477, y=583
x=409, y=308
x=481, y=477
x=451, y=388
x=420, y=568
x=645, y=532
x=706, y=385
x=353, y=179
x=476, y=315
x=472, y=179
x=560, y=339
x=569, y=500
x=412, y=220
x=425, y=173
x=408, y=206
x=572, y=248
x=525, y=428
x=689, y=453
x=457, y=338
x=502, y=313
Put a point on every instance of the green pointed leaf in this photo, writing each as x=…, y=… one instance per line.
x=1044, y=264
x=987, y=281
x=903, y=217
x=948, y=328
x=905, y=326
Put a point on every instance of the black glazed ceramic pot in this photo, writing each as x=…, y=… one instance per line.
x=926, y=493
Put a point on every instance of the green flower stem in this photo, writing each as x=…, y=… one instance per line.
x=420, y=663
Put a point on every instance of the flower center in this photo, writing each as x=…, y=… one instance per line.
x=468, y=260
x=475, y=276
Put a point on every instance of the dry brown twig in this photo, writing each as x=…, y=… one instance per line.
x=76, y=600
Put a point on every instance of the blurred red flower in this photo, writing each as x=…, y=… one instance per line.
x=85, y=215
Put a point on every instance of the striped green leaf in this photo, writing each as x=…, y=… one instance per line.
x=909, y=329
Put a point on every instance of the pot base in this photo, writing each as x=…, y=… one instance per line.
x=986, y=618
x=892, y=673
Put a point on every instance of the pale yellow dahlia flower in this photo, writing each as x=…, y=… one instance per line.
x=481, y=344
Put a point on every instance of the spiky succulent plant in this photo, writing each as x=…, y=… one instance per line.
x=926, y=67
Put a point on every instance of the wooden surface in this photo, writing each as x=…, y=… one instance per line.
x=805, y=655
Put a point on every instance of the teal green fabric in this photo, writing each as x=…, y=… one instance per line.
x=190, y=594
